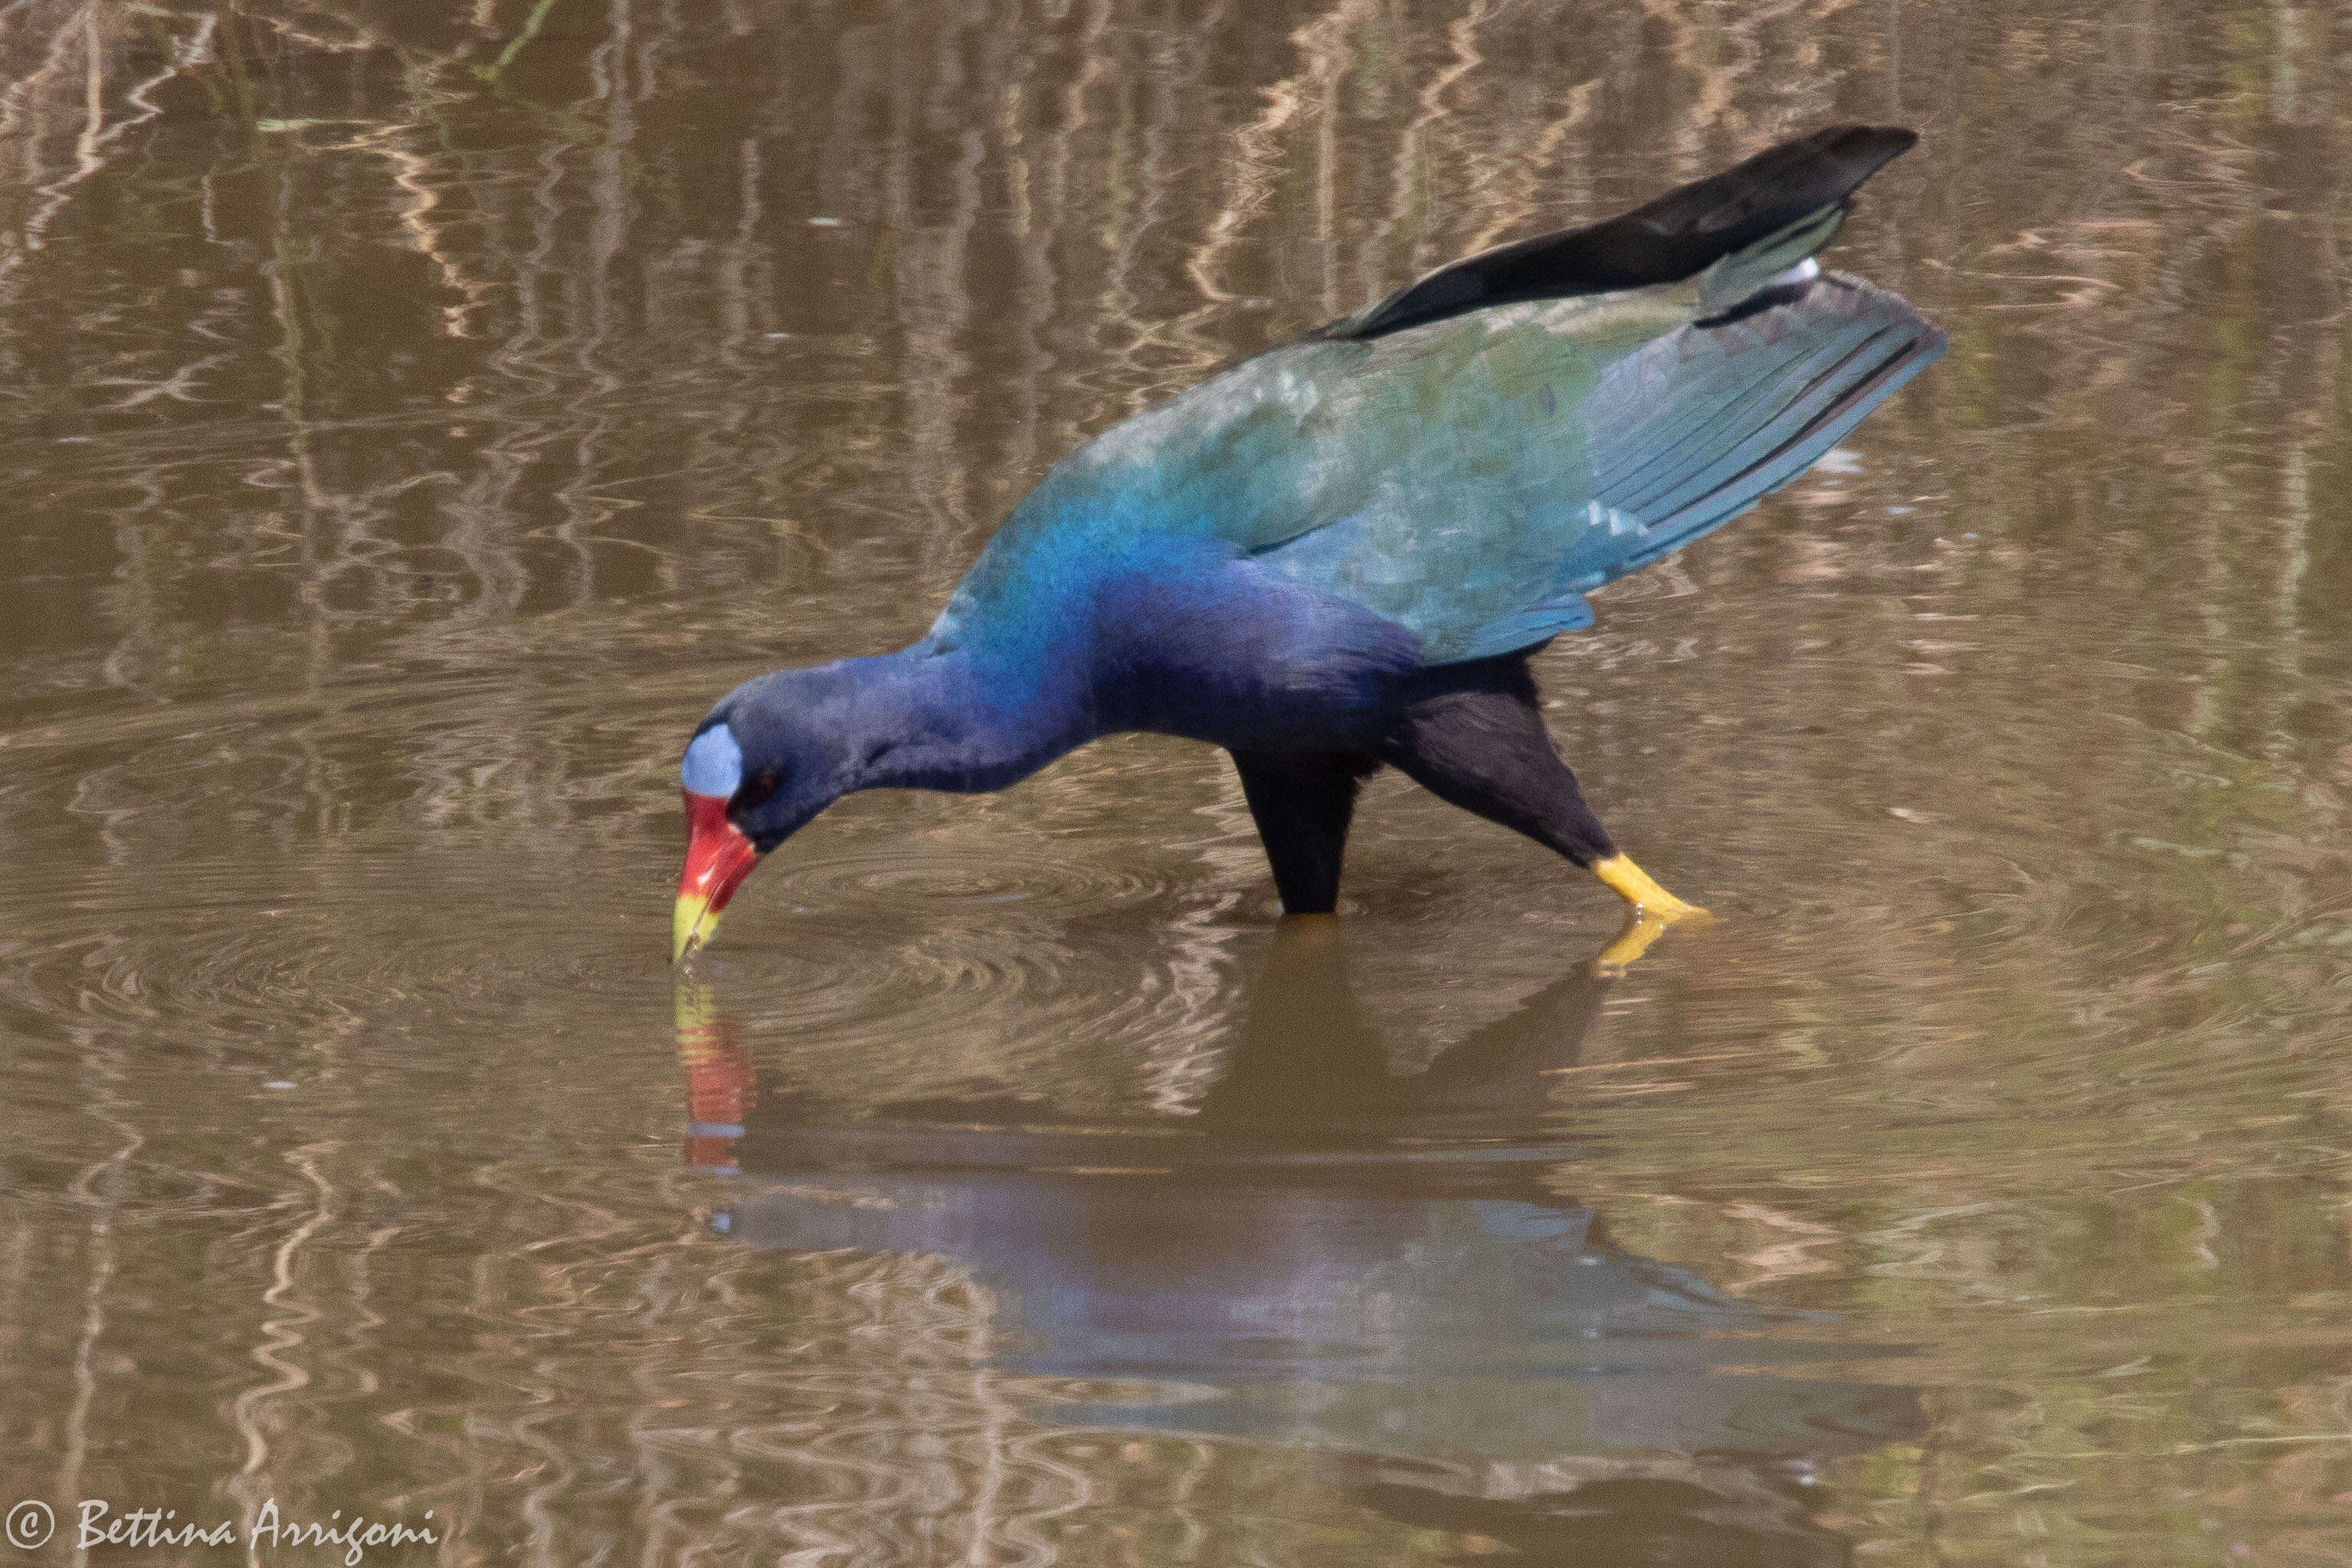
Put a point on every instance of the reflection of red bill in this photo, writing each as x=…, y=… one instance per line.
x=720, y=1080
x=718, y=858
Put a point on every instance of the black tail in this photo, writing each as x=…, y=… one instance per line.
x=1674, y=238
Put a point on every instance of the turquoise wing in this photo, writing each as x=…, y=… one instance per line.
x=1473, y=478
x=1472, y=455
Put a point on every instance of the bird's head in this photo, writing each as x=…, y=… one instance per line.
x=772, y=754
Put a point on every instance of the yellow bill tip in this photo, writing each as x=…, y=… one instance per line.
x=692, y=924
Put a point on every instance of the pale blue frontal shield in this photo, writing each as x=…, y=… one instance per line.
x=714, y=763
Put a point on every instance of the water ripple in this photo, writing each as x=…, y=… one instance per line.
x=940, y=881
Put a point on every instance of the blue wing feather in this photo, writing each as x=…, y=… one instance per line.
x=1811, y=383
x=1568, y=612
x=1668, y=418
x=1697, y=428
x=1781, y=449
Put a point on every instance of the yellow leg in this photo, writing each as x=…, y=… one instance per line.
x=1633, y=884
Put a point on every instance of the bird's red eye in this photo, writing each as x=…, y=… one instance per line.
x=755, y=791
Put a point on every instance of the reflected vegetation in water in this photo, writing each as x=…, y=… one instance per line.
x=410, y=414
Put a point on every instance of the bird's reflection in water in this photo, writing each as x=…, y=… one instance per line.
x=1331, y=1256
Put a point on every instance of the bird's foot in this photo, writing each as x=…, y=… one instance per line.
x=1650, y=909
x=1631, y=884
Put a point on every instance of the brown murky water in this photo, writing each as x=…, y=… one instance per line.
x=411, y=416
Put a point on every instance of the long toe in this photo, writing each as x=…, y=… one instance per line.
x=1638, y=888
